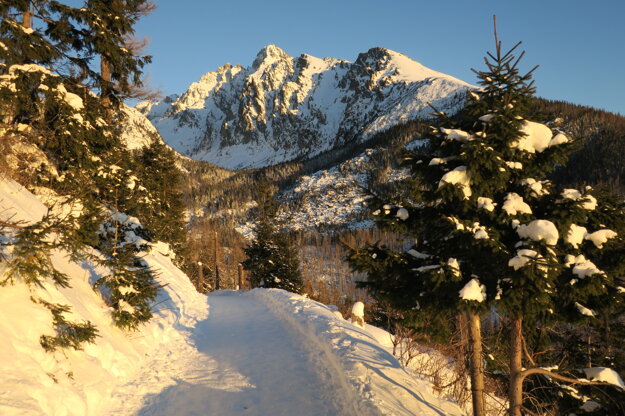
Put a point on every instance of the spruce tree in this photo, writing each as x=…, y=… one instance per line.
x=47, y=53
x=491, y=230
x=111, y=25
x=130, y=287
x=271, y=257
x=163, y=214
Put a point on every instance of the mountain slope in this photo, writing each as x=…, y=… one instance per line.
x=283, y=108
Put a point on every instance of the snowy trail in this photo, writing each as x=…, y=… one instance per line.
x=249, y=362
x=264, y=352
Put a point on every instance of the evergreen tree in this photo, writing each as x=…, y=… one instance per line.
x=130, y=287
x=271, y=258
x=47, y=50
x=491, y=230
x=163, y=214
x=111, y=23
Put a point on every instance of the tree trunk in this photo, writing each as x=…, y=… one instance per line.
x=476, y=364
x=462, y=328
x=240, y=276
x=200, y=272
x=216, y=257
x=217, y=278
x=515, y=390
x=105, y=73
x=27, y=18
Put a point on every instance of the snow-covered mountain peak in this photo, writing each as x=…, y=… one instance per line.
x=270, y=54
x=390, y=66
x=283, y=108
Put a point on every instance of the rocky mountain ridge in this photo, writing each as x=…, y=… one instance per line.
x=283, y=108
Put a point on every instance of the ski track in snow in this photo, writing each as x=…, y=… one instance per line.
x=245, y=361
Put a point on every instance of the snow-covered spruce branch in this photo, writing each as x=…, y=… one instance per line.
x=537, y=370
x=11, y=225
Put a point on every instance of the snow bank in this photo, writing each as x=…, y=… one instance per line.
x=359, y=361
x=70, y=382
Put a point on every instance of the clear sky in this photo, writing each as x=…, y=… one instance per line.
x=579, y=44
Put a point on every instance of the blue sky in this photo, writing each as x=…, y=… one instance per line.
x=579, y=45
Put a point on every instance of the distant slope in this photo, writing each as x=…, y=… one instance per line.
x=600, y=137
x=136, y=130
x=283, y=108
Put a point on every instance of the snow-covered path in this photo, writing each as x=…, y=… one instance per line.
x=263, y=352
x=249, y=363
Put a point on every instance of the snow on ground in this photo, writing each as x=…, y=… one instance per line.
x=355, y=354
x=79, y=382
x=263, y=352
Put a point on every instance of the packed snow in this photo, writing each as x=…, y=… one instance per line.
x=599, y=238
x=522, y=257
x=582, y=267
x=589, y=202
x=604, y=374
x=575, y=235
x=514, y=205
x=459, y=176
x=486, y=203
x=536, y=139
x=456, y=134
x=72, y=382
x=402, y=214
x=584, y=310
x=538, y=187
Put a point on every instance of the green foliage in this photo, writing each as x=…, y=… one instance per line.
x=68, y=334
x=453, y=227
x=47, y=77
x=110, y=31
x=482, y=213
x=163, y=214
x=31, y=258
x=271, y=258
x=130, y=287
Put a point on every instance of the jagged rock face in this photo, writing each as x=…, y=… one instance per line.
x=283, y=108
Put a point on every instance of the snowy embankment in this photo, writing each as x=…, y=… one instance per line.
x=360, y=357
x=256, y=353
x=69, y=382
